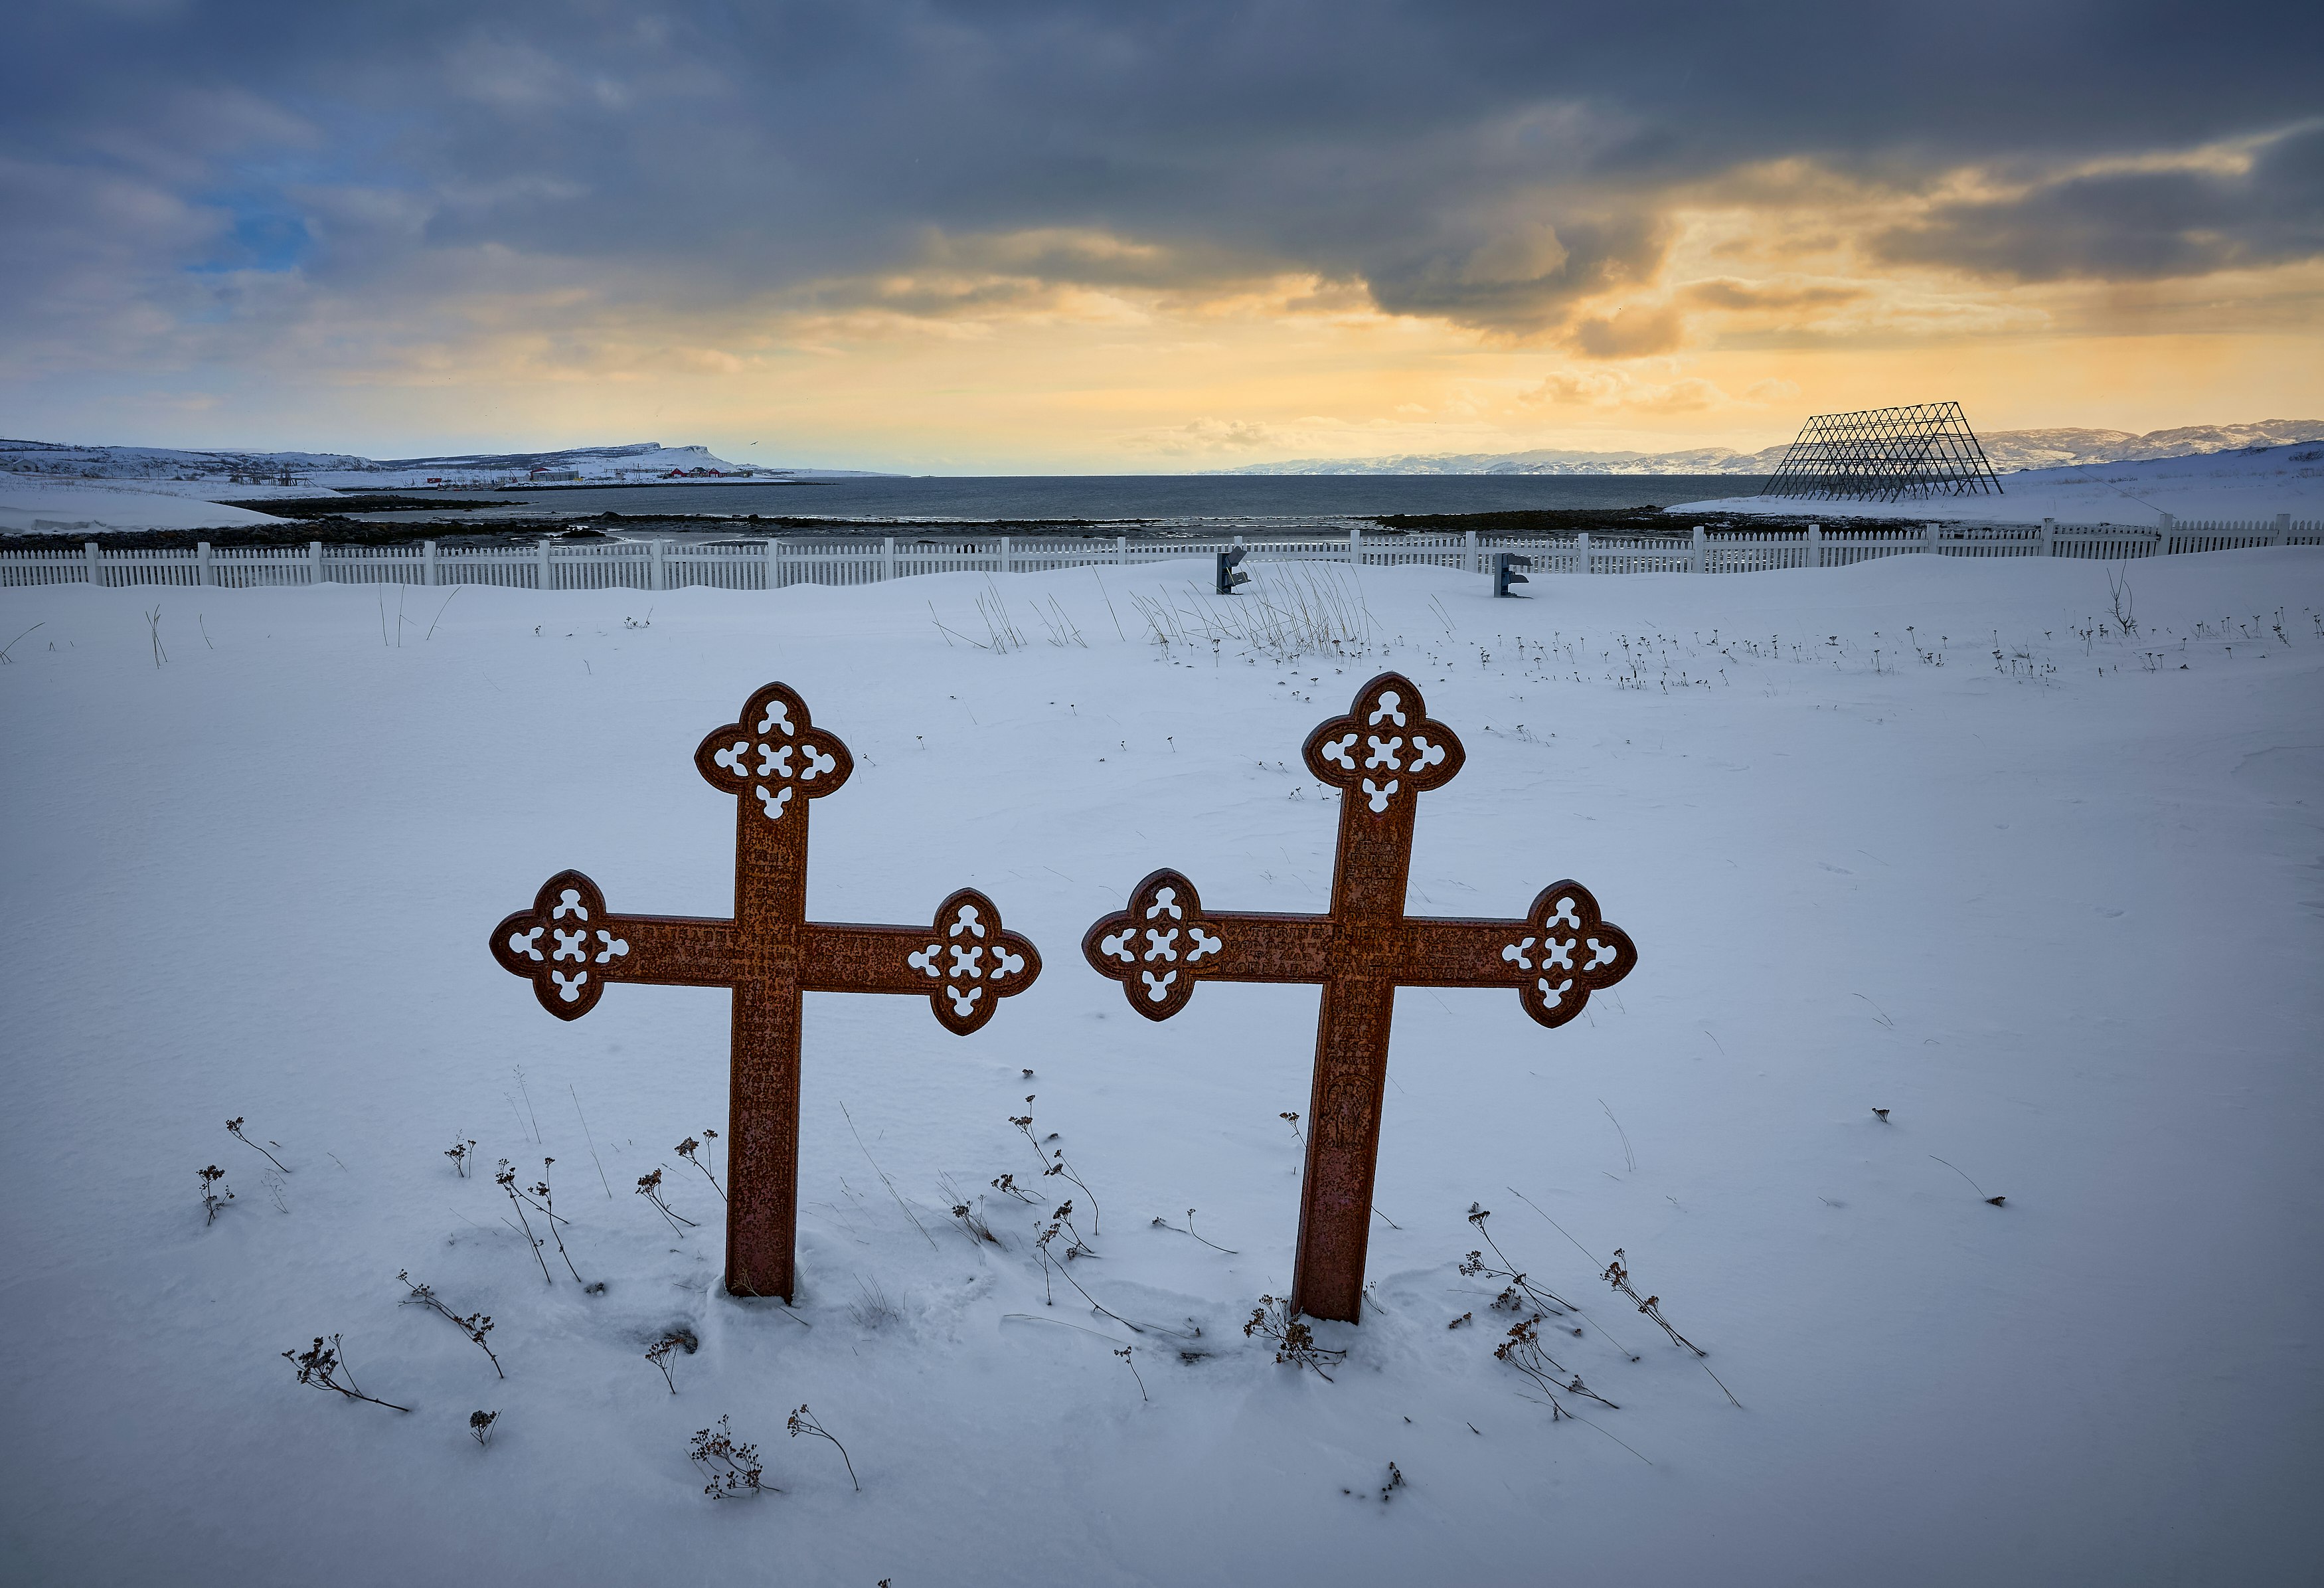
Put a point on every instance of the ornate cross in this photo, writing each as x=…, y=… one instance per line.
x=777, y=762
x=1382, y=757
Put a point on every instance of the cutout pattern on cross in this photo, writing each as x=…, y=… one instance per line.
x=1382, y=756
x=776, y=763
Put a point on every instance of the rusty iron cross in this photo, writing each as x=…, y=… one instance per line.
x=1381, y=756
x=776, y=762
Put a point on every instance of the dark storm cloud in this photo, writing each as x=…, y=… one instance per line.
x=1490, y=164
x=2138, y=223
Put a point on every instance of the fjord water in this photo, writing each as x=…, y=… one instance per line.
x=1156, y=499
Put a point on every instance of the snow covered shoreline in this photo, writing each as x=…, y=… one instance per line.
x=2050, y=900
x=2255, y=484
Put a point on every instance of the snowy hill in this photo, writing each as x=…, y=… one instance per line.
x=2006, y=450
x=253, y=475
x=2044, y=891
x=56, y=487
x=2254, y=484
x=33, y=504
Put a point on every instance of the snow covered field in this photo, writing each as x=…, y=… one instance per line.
x=32, y=504
x=2253, y=483
x=1924, y=835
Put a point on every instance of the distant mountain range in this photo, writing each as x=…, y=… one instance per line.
x=636, y=463
x=2006, y=450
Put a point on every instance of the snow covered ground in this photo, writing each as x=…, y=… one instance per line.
x=33, y=505
x=2238, y=486
x=1923, y=834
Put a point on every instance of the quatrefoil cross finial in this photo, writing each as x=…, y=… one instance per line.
x=774, y=754
x=563, y=945
x=971, y=961
x=1386, y=749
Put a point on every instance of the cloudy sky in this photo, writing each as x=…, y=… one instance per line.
x=1024, y=236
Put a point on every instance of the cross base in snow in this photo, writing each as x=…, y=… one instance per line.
x=776, y=763
x=1382, y=757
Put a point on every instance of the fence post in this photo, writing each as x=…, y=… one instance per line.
x=427, y=561
x=314, y=562
x=1815, y=545
x=2049, y=537
x=1695, y=564
x=202, y=563
x=1469, y=559
x=2283, y=530
x=887, y=558
x=774, y=564
x=1121, y=550
x=541, y=580
x=1585, y=553
x=1356, y=547
x=1928, y=537
x=657, y=576
x=96, y=564
x=1004, y=555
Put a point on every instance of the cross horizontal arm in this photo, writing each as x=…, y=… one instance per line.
x=1253, y=945
x=568, y=945
x=1555, y=958
x=1166, y=942
x=964, y=964
x=672, y=950
x=840, y=958
x=1443, y=952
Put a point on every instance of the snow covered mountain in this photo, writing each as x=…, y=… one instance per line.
x=253, y=475
x=2008, y=450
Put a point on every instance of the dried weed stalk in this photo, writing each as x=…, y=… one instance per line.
x=803, y=1422
x=542, y=1200
x=321, y=1367
x=1520, y=1293
x=506, y=1181
x=663, y=1352
x=476, y=1326
x=1190, y=1230
x=233, y=1129
x=650, y=1187
x=1294, y=1343
x=1007, y=1184
x=686, y=1150
x=1024, y=1123
x=1124, y=1354
x=1524, y=1350
x=1619, y=1277
x=215, y=1192
x=732, y=1469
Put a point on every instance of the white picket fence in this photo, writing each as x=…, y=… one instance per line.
x=773, y=564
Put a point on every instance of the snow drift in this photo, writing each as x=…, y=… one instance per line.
x=2023, y=857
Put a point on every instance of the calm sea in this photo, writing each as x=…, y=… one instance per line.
x=1153, y=501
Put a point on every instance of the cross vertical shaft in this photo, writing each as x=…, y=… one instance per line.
x=763, y=1087
x=1368, y=879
